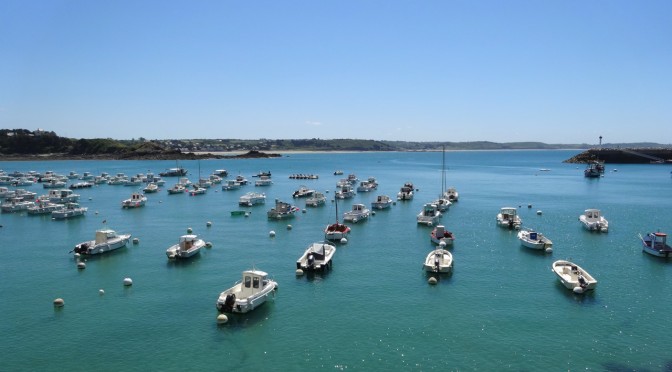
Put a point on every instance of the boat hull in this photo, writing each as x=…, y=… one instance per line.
x=91, y=248
x=438, y=261
x=573, y=277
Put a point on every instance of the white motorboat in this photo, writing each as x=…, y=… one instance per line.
x=452, y=194
x=282, y=210
x=43, y=206
x=263, y=181
x=316, y=199
x=442, y=204
x=251, y=199
x=135, y=201
x=535, y=240
x=406, y=192
x=381, y=202
x=54, y=183
x=573, y=276
x=174, y=172
x=197, y=190
x=151, y=188
x=345, y=192
x=508, y=217
x=229, y=185
x=441, y=236
x=133, y=181
x=317, y=257
x=429, y=215
x=68, y=210
x=656, y=244
x=303, y=192
x=189, y=245
x=63, y=196
x=438, y=261
x=241, y=180
x=246, y=295
x=221, y=173
x=106, y=240
x=358, y=213
x=16, y=204
x=593, y=220
x=177, y=188
x=367, y=186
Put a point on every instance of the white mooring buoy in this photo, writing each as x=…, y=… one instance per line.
x=128, y=282
x=208, y=224
x=59, y=302
x=289, y=227
x=222, y=318
x=189, y=230
x=299, y=272
x=344, y=240
x=101, y=291
x=271, y=234
x=432, y=280
x=81, y=265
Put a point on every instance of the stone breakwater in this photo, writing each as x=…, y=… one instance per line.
x=625, y=156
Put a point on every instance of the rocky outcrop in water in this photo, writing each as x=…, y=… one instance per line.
x=624, y=156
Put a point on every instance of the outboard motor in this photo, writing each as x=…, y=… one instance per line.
x=229, y=302
x=311, y=260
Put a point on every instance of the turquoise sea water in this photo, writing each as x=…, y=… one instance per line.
x=501, y=309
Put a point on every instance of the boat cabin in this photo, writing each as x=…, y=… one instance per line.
x=253, y=282
x=592, y=213
x=187, y=241
x=103, y=236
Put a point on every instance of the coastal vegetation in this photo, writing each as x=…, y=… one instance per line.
x=23, y=143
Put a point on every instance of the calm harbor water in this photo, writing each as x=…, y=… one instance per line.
x=501, y=309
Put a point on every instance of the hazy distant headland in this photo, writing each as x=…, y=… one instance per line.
x=23, y=144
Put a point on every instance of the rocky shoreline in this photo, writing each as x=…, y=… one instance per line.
x=136, y=156
x=624, y=156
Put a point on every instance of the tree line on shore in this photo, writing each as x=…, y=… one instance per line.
x=26, y=143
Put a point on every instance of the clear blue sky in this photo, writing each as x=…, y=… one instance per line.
x=503, y=71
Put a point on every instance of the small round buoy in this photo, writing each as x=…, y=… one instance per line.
x=289, y=227
x=222, y=318
x=77, y=255
x=208, y=244
x=81, y=265
x=344, y=240
x=442, y=244
x=90, y=198
x=271, y=234
x=101, y=291
x=326, y=192
x=247, y=214
x=96, y=212
x=578, y=290
x=354, y=220
x=189, y=230
x=136, y=240
x=432, y=280
x=160, y=201
x=373, y=213
x=59, y=302
x=299, y=272
x=304, y=210
x=430, y=224
x=529, y=205
x=208, y=224
x=128, y=282
x=549, y=250
x=539, y=212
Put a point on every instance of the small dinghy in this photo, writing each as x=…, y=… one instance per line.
x=573, y=276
